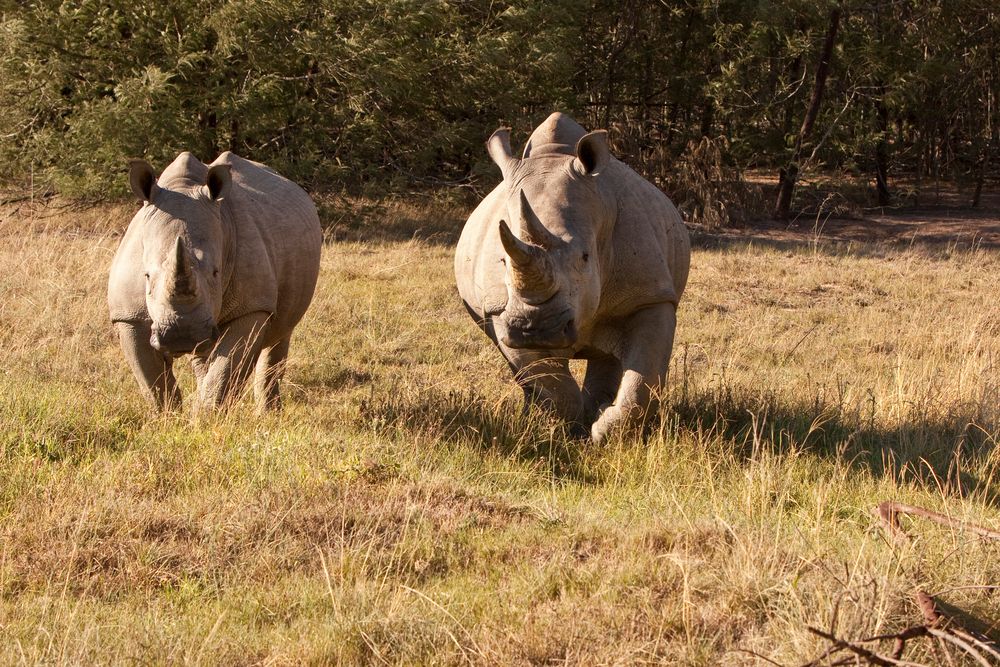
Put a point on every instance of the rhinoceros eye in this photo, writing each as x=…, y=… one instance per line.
x=215, y=273
x=586, y=256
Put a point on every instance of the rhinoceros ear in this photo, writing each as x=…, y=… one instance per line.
x=498, y=146
x=142, y=179
x=592, y=153
x=220, y=179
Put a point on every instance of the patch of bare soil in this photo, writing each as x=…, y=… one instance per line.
x=949, y=220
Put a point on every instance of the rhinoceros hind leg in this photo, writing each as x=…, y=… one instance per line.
x=231, y=363
x=267, y=377
x=153, y=371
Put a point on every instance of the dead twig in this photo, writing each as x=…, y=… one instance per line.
x=938, y=624
x=944, y=627
x=900, y=639
x=888, y=510
x=927, y=608
x=962, y=644
x=758, y=655
x=889, y=521
x=979, y=641
x=860, y=651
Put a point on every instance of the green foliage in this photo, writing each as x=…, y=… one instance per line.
x=334, y=92
x=369, y=94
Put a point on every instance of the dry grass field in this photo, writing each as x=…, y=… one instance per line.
x=401, y=510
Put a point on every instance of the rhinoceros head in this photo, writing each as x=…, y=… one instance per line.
x=183, y=251
x=551, y=238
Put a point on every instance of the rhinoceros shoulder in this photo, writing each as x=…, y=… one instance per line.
x=277, y=240
x=126, y=284
x=650, y=242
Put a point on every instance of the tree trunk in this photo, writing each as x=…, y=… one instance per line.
x=677, y=90
x=882, y=125
x=208, y=121
x=882, y=155
x=793, y=74
x=234, y=136
x=788, y=175
x=991, y=130
x=707, y=117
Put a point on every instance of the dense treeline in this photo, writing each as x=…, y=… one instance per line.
x=355, y=94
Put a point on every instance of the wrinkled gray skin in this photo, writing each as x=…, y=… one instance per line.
x=575, y=256
x=221, y=263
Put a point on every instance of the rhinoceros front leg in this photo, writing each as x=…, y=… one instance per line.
x=152, y=369
x=646, y=347
x=547, y=382
x=231, y=362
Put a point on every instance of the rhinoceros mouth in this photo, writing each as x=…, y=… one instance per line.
x=176, y=342
x=551, y=334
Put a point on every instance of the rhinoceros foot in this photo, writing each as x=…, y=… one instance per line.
x=613, y=419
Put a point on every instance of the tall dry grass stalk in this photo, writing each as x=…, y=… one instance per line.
x=403, y=510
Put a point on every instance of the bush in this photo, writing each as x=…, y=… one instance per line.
x=711, y=193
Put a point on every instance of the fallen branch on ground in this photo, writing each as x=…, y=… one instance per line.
x=946, y=628
x=860, y=651
x=938, y=623
x=888, y=512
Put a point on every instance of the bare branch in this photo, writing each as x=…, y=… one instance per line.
x=889, y=509
x=962, y=644
x=872, y=657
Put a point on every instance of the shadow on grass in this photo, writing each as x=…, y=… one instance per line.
x=951, y=455
x=937, y=232
x=381, y=221
x=500, y=427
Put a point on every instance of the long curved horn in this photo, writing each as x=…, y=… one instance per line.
x=184, y=280
x=498, y=147
x=530, y=268
x=532, y=228
x=522, y=254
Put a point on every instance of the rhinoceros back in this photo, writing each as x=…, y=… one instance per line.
x=277, y=244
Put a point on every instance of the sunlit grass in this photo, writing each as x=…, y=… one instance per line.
x=402, y=509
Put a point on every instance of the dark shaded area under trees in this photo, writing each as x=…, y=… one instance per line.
x=374, y=96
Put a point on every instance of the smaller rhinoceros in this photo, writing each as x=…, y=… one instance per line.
x=220, y=262
x=576, y=256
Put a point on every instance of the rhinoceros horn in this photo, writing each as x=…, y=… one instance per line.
x=498, y=146
x=530, y=269
x=184, y=280
x=532, y=228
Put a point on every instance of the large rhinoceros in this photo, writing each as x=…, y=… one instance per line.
x=575, y=256
x=221, y=261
